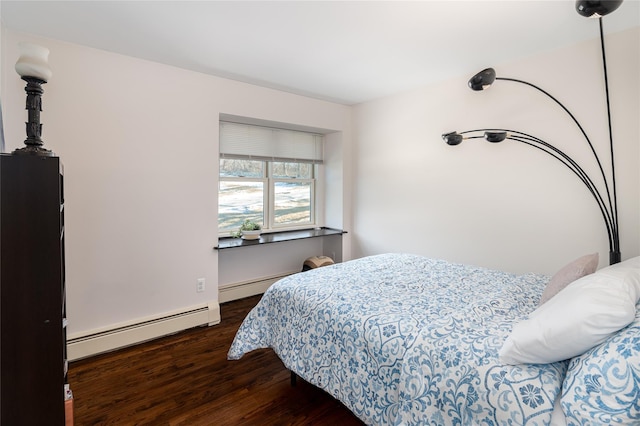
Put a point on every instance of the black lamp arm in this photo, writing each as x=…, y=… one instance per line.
x=560, y=156
x=610, y=224
x=575, y=120
x=567, y=161
x=571, y=165
x=606, y=88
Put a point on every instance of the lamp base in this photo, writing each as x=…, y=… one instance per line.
x=34, y=150
x=33, y=127
x=614, y=257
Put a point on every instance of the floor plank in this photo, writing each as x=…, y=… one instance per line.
x=186, y=379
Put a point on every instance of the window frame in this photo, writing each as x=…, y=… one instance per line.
x=269, y=225
x=272, y=200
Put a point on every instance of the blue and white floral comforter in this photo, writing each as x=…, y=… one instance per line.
x=406, y=340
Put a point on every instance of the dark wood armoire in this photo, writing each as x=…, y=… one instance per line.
x=33, y=363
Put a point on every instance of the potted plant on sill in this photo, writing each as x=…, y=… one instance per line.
x=249, y=230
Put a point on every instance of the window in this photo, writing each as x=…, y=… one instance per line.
x=267, y=175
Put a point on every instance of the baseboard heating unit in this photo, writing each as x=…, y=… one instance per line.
x=127, y=334
x=240, y=290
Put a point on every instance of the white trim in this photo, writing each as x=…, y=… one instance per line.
x=82, y=345
x=214, y=313
x=240, y=290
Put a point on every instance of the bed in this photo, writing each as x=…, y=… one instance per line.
x=401, y=339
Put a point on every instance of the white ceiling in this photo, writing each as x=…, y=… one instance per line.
x=346, y=52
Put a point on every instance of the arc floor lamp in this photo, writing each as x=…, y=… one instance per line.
x=608, y=204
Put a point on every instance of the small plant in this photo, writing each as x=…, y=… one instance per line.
x=247, y=225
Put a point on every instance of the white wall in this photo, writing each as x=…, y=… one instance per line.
x=139, y=142
x=504, y=206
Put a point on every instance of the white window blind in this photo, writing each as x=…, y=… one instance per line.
x=245, y=141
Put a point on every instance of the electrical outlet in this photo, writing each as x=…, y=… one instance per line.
x=200, y=285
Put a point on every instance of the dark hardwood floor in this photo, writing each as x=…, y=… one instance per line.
x=186, y=379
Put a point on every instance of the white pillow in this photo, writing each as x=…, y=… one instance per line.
x=578, y=318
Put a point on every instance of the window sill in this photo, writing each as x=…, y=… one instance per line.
x=277, y=237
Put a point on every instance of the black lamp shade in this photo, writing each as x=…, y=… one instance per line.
x=452, y=138
x=590, y=8
x=495, y=137
x=483, y=79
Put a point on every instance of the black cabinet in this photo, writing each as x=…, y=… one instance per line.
x=32, y=291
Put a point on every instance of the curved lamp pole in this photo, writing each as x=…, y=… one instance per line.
x=608, y=205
